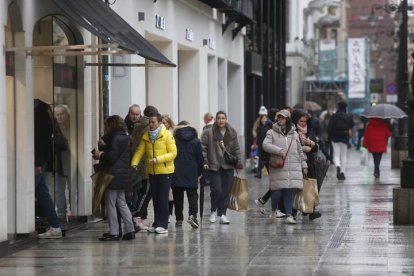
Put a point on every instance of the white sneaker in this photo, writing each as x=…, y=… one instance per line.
x=290, y=220
x=261, y=206
x=224, y=220
x=272, y=214
x=280, y=214
x=151, y=230
x=51, y=233
x=213, y=217
x=161, y=230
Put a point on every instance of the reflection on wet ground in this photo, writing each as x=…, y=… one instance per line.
x=355, y=235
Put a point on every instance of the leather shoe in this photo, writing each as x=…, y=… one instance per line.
x=129, y=236
x=107, y=234
x=109, y=237
x=314, y=215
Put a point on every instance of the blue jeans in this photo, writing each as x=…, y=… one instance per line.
x=287, y=200
x=45, y=200
x=220, y=186
x=160, y=185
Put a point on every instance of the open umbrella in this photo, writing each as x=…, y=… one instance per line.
x=384, y=111
x=308, y=105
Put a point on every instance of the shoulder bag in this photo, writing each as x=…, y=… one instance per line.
x=277, y=161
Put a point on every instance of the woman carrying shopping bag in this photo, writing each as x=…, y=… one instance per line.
x=282, y=141
x=309, y=146
x=114, y=159
x=221, y=152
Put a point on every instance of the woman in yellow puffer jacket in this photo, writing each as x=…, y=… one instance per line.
x=159, y=147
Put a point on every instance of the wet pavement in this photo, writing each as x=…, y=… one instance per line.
x=354, y=236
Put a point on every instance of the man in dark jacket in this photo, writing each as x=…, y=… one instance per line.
x=339, y=129
x=43, y=128
x=134, y=114
x=188, y=165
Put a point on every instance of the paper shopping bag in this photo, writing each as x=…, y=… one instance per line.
x=101, y=181
x=239, y=194
x=306, y=199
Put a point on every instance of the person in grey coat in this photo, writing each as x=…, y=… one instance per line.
x=214, y=141
x=283, y=140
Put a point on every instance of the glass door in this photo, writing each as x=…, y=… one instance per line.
x=56, y=84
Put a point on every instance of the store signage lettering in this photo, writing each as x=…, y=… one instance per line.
x=160, y=22
x=356, y=68
x=211, y=44
x=189, y=34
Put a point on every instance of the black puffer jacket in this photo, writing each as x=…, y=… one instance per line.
x=116, y=159
x=189, y=161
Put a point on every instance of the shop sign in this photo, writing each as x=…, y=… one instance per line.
x=160, y=22
x=210, y=43
x=357, y=68
x=189, y=34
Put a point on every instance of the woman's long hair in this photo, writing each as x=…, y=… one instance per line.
x=288, y=126
x=115, y=123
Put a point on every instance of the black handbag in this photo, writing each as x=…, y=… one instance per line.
x=230, y=158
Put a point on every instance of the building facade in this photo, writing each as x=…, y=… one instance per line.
x=52, y=57
x=265, y=59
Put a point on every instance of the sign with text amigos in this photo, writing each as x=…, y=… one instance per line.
x=357, y=69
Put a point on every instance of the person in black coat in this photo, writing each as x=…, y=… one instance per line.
x=114, y=159
x=339, y=128
x=43, y=132
x=188, y=166
x=308, y=140
x=261, y=135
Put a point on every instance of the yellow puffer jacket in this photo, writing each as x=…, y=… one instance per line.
x=164, y=149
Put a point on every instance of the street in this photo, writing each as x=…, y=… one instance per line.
x=354, y=236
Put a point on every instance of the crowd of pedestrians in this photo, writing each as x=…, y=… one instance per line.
x=171, y=160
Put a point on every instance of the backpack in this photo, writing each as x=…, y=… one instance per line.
x=341, y=125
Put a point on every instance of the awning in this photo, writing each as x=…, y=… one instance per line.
x=102, y=21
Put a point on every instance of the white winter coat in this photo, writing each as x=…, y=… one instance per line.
x=290, y=176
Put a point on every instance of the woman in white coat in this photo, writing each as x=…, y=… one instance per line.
x=283, y=140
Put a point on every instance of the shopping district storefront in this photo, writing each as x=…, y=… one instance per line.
x=170, y=54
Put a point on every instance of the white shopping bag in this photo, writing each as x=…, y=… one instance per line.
x=364, y=157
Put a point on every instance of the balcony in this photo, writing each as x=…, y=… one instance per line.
x=239, y=11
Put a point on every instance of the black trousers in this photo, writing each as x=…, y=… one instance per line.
x=192, y=196
x=377, y=160
x=160, y=185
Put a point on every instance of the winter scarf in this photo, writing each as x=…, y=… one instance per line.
x=153, y=134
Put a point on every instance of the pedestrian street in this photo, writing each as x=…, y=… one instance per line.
x=354, y=236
